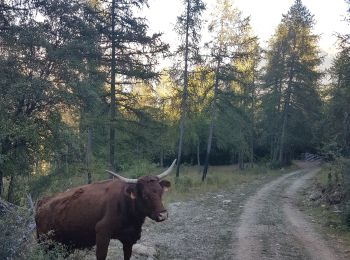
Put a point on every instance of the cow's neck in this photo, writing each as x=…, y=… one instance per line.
x=134, y=214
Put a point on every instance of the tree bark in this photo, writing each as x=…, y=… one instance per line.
x=184, y=95
x=1, y=182
x=10, y=192
x=285, y=114
x=113, y=99
x=88, y=154
x=241, y=159
x=161, y=157
x=252, y=152
x=66, y=160
x=212, y=122
x=286, y=105
x=252, y=115
x=198, y=156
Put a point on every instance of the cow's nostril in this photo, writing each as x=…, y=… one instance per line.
x=162, y=216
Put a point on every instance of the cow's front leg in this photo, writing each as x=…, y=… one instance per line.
x=127, y=248
x=102, y=242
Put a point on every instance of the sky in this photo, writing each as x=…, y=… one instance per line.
x=265, y=16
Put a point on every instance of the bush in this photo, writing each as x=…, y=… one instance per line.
x=346, y=213
x=16, y=226
x=337, y=187
x=275, y=165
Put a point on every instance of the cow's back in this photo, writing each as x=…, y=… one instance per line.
x=72, y=215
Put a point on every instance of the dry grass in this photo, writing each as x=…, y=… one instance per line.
x=189, y=184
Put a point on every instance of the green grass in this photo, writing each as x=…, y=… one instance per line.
x=189, y=184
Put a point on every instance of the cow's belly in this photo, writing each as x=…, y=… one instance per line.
x=76, y=238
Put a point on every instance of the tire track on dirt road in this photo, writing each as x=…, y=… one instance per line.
x=272, y=227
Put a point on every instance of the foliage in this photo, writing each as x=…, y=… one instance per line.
x=291, y=102
x=46, y=65
x=15, y=228
x=333, y=185
x=337, y=122
x=230, y=48
x=188, y=26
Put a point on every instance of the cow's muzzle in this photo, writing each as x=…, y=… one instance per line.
x=161, y=216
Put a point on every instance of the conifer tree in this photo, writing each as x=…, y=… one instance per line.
x=229, y=35
x=46, y=68
x=130, y=55
x=337, y=122
x=188, y=27
x=292, y=101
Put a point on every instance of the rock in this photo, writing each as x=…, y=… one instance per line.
x=140, y=249
x=335, y=197
x=315, y=195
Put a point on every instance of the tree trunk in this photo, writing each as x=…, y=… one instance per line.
x=275, y=148
x=286, y=107
x=252, y=151
x=88, y=154
x=198, y=157
x=184, y=95
x=1, y=182
x=212, y=123
x=113, y=99
x=345, y=131
x=162, y=157
x=66, y=160
x=10, y=192
x=252, y=116
x=285, y=116
x=241, y=159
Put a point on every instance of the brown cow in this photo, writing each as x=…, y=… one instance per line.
x=93, y=214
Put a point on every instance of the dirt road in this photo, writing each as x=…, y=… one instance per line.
x=272, y=227
x=258, y=220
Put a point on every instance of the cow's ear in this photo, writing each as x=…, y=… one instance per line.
x=130, y=191
x=165, y=184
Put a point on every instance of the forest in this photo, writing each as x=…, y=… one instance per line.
x=83, y=90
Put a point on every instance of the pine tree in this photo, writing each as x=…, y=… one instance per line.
x=46, y=65
x=229, y=35
x=189, y=25
x=130, y=56
x=292, y=101
x=337, y=122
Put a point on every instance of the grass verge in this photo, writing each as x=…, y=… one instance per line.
x=315, y=201
x=189, y=184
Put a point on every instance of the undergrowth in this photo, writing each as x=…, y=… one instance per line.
x=328, y=201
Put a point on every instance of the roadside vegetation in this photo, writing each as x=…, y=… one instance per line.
x=328, y=200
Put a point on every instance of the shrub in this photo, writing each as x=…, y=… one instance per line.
x=15, y=229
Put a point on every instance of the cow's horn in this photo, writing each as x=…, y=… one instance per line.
x=164, y=174
x=127, y=180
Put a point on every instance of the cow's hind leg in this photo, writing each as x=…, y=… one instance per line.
x=127, y=248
